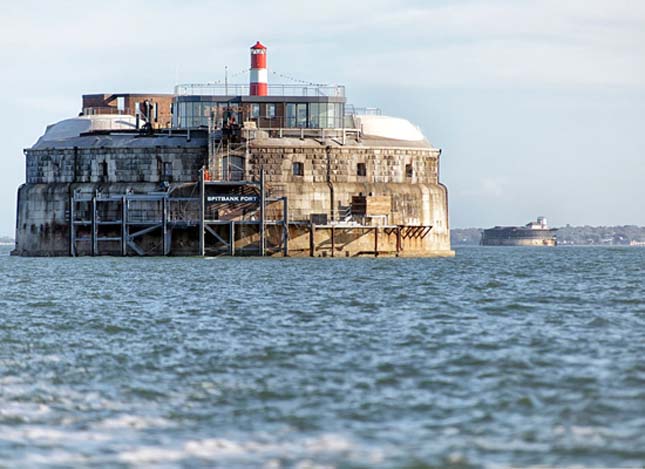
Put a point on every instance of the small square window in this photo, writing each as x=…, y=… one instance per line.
x=361, y=170
x=298, y=169
x=409, y=172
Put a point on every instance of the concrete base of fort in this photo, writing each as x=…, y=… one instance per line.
x=520, y=242
x=330, y=175
x=43, y=229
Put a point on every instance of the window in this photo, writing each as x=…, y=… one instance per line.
x=301, y=115
x=409, y=172
x=291, y=115
x=298, y=169
x=270, y=111
x=314, y=115
x=167, y=169
x=361, y=170
x=255, y=111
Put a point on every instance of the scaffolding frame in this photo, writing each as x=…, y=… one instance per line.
x=85, y=212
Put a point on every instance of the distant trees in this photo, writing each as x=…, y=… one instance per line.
x=608, y=235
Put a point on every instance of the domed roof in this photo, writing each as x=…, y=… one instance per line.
x=258, y=45
x=76, y=126
x=394, y=128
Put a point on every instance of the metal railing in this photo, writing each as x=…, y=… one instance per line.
x=263, y=122
x=302, y=133
x=351, y=110
x=237, y=89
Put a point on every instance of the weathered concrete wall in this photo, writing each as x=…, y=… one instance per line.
x=113, y=164
x=42, y=226
x=329, y=161
x=331, y=177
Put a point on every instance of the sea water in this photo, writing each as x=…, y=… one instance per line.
x=497, y=357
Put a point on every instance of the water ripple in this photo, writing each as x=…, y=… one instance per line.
x=498, y=358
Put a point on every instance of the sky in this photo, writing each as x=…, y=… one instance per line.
x=538, y=105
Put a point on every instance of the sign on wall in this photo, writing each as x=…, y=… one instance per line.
x=233, y=199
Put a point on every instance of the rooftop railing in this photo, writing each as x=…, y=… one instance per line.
x=218, y=89
x=351, y=110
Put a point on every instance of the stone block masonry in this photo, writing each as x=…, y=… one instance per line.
x=329, y=176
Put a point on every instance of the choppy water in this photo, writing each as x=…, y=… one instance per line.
x=500, y=356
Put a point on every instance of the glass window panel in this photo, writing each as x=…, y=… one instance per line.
x=301, y=111
x=330, y=115
x=323, y=115
x=291, y=115
x=314, y=116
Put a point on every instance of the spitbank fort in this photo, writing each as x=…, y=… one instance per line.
x=227, y=169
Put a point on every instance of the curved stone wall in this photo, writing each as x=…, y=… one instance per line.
x=114, y=164
x=407, y=174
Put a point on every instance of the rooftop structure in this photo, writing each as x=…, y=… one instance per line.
x=267, y=105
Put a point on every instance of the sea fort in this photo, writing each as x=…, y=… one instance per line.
x=232, y=169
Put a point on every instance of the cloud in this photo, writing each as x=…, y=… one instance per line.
x=461, y=43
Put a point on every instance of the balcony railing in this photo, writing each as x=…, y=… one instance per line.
x=218, y=89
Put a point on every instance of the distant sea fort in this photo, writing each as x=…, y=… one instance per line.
x=535, y=233
x=623, y=235
x=226, y=169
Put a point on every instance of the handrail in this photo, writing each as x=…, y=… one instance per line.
x=239, y=89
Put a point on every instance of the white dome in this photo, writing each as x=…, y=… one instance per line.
x=388, y=127
x=77, y=125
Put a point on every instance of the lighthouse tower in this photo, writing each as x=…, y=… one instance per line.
x=259, y=74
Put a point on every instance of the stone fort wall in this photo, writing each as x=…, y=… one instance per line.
x=330, y=176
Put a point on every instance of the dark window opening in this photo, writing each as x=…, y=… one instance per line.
x=361, y=170
x=298, y=169
x=167, y=169
x=409, y=172
x=104, y=169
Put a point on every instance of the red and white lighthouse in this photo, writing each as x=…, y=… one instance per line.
x=259, y=75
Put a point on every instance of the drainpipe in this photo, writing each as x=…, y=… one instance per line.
x=329, y=183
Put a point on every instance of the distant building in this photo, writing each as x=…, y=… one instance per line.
x=532, y=234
